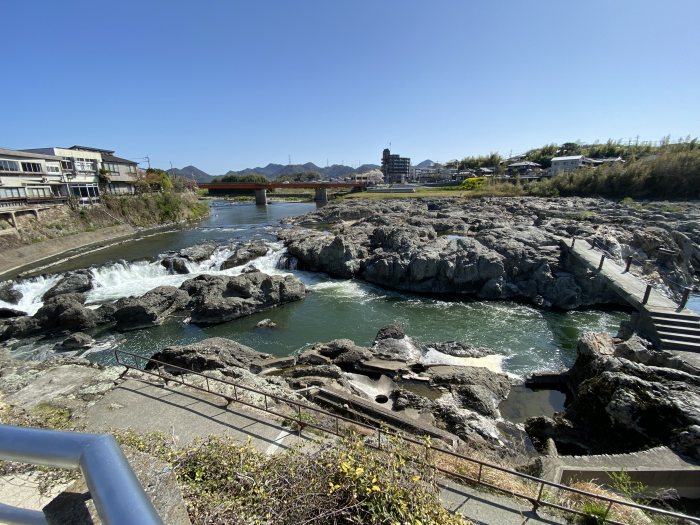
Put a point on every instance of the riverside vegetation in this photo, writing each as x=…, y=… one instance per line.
x=167, y=202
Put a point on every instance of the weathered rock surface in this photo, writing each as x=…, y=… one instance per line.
x=8, y=294
x=151, y=309
x=9, y=313
x=245, y=253
x=199, y=252
x=66, y=312
x=209, y=354
x=177, y=262
x=460, y=349
x=76, y=341
x=493, y=248
x=77, y=282
x=218, y=298
x=623, y=405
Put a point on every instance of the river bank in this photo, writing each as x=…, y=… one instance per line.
x=64, y=231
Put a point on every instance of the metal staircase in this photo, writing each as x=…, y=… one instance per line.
x=677, y=331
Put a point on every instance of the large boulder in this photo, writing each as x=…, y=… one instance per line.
x=209, y=354
x=245, y=253
x=23, y=326
x=9, y=313
x=66, y=312
x=151, y=309
x=9, y=294
x=218, y=298
x=76, y=341
x=78, y=282
x=177, y=262
x=391, y=343
x=199, y=252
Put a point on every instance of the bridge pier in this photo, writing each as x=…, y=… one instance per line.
x=261, y=197
x=321, y=195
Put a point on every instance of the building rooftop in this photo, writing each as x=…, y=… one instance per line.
x=117, y=160
x=96, y=150
x=570, y=157
x=27, y=154
x=523, y=164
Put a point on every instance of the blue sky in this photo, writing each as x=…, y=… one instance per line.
x=230, y=84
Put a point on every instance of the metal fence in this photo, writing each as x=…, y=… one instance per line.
x=115, y=490
x=539, y=492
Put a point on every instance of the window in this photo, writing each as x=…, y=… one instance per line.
x=8, y=165
x=67, y=163
x=9, y=193
x=31, y=167
x=53, y=169
x=111, y=168
x=84, y=165
x=38, y=192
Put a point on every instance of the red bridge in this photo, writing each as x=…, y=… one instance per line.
x=260, y=188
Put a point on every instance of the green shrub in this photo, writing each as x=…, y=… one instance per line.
x=597, y=513
x=343, y=482
x=473, y=183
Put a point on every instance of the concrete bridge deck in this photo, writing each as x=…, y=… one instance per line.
x=260, y=188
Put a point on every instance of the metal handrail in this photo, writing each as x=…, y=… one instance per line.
x=595, y=243
x=536, y=502
x=114, y=488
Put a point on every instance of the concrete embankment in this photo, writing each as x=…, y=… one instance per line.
x=16, y=260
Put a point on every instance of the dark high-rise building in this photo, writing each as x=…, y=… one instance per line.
x=394, y=167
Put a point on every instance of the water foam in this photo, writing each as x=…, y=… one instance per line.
x=492, y=362
x=32, y=291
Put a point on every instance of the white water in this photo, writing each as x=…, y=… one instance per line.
x=32, y=291
x=492, y=362
x=132, y=279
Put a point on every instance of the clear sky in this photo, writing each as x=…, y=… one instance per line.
x=229, y=84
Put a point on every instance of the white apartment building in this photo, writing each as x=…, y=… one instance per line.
x=570, y=163
x=30, y=175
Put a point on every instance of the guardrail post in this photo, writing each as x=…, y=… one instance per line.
x=379, y=438
x=536, y=503
x=629, y=263
x=602, y=260
x=685, y=297
x=573, y=241
x=478, y=478
x=647, y=293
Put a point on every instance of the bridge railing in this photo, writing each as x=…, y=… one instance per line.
x=539, y=492
x=607, y=254
x=115, y=490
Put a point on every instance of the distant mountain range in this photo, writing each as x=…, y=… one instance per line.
x=272, y=171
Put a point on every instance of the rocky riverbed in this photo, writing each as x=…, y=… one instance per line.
x=487, y=248
x=496, y=248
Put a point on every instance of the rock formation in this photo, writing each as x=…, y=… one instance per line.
x=492, y=248
x=625, y=398
x=219, y=298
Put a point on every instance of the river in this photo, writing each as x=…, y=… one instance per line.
x=529, y=339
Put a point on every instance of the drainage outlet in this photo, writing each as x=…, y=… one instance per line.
x=381, y=398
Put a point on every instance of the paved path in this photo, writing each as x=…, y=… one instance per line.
x=485, y=508
x=186, y=414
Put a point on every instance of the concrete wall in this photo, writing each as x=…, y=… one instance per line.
x=686, y=482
